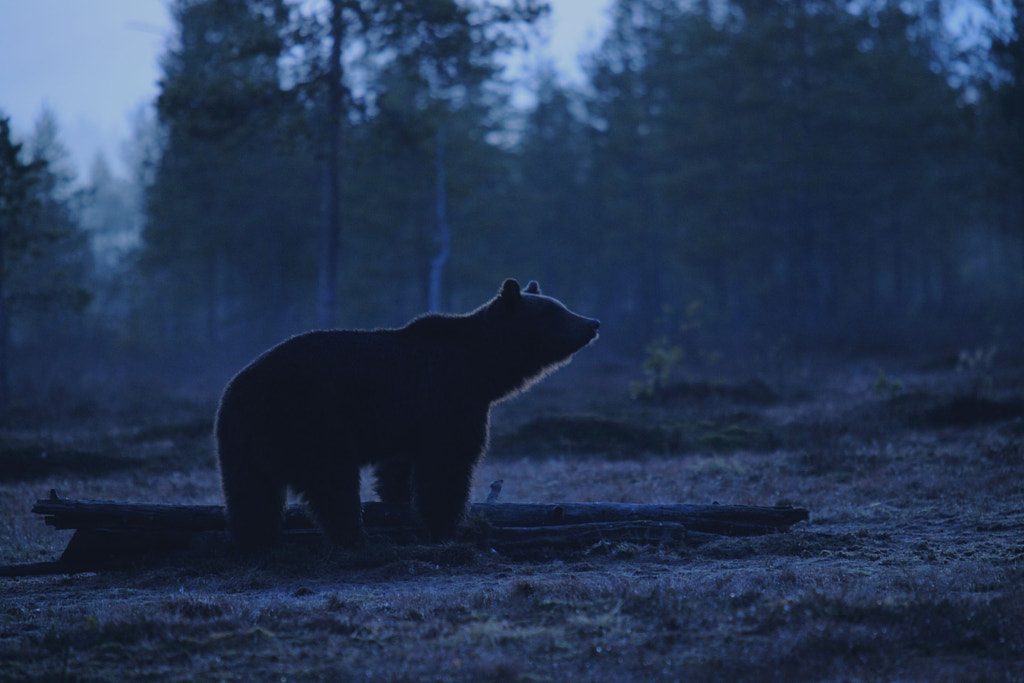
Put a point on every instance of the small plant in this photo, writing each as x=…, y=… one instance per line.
x=661, y=361
x=772, y=355
x=976, y=365
x=886, y=388
x=663, y=358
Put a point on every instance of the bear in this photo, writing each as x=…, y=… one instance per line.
x=412, y=402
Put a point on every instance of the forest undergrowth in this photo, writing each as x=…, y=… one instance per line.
x=909, y=568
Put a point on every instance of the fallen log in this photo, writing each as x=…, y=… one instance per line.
x=534, y=540
x=111, y=534
x=728, y=520
x=725, y=520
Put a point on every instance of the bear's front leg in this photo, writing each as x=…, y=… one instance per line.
x=441, y=494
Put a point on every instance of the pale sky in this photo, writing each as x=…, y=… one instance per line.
x=94, y=62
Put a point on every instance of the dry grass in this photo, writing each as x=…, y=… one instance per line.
x=909, y=569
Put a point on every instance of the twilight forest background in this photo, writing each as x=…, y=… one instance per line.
x=738, y=182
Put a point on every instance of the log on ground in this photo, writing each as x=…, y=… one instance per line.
x=728, y=520
x=113, y=534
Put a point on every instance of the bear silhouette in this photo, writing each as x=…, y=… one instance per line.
x=413, y=402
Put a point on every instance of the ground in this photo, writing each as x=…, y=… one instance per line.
x=909, y=569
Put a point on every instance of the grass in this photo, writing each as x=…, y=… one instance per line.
x=908, y=570
x=590, y=434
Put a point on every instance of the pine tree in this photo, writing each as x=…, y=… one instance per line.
x=44, y=259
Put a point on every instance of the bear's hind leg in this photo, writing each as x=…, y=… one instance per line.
x=334, y=501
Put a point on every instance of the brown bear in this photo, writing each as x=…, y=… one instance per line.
x=414, y=402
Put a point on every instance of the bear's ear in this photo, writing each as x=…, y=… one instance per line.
x=532, y=288
x=509, y=290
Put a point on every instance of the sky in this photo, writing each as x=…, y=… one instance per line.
x=95, y=62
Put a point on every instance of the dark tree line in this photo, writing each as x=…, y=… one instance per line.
x=283, y=191
x=733, y=176
x=44, y=258
x=794, y=166
x=798, y=169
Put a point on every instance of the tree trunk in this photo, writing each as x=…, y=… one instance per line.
x=728, y=520
x=331, y=179
x=111, y=534
x=214, y=297
x=4, y=327
x=437, y=264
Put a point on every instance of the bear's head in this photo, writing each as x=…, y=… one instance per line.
x=544, y=331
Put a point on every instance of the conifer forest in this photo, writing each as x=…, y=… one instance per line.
x=737, y=179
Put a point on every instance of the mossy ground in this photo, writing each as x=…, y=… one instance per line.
x=909, y=569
